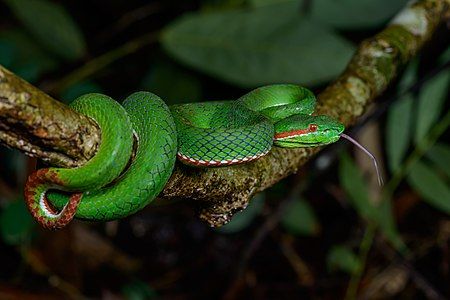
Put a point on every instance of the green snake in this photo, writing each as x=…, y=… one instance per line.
x=141, y=140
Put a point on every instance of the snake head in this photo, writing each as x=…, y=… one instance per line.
x=307, y=131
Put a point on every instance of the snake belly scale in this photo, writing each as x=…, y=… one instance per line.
x=208, y=134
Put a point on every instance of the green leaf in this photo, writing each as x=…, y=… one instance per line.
x=258, y=46
x=445, y=56
x=399, y=120
x=78, y=89
x=398, y=133
x=29, y=60
x=16, y=223
x=439, y=154
x=244, y=218
x=50, y=23
x=259, y=3
x=6, y=53
x=218, y=5
x=432, y=188
x=431, y=100
x=355, y=14
x=356, y=188
x=172, y=84
x=388, y=226
x=409, y=77
x=300, y=219
x=342, y=258
x=138, y=290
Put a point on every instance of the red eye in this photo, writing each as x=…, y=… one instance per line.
x=312, y=127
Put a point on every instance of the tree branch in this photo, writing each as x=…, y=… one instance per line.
x=40, y=126
x=373, y=67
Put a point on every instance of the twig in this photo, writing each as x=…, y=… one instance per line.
x=54, y=280
x=430, y=291
x=102, y=61
x=129, y=18
x=364, y=249
x=304, y=275
x=269, y=224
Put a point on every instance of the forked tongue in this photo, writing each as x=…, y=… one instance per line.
x=350, y=139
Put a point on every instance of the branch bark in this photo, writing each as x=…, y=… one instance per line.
x=40, y=126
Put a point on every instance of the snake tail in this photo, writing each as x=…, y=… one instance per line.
x=45, y=213
x=111, y=157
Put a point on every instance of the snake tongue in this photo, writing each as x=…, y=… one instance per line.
x=351, y=140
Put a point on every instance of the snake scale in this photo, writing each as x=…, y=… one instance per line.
x=121, y=178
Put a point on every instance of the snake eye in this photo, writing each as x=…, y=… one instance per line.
x=312, y=127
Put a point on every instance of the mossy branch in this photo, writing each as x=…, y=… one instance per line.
x=40, y=126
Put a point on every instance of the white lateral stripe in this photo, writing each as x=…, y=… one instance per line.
x=45, y=209
x=186, y=158
x=287, y=137
x=294, y=135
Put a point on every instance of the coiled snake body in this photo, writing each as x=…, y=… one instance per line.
x=208, y=134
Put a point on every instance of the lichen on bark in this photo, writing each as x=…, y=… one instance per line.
x=51, y=131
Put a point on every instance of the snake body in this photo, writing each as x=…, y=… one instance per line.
x=207, y=134
x=230, y=132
